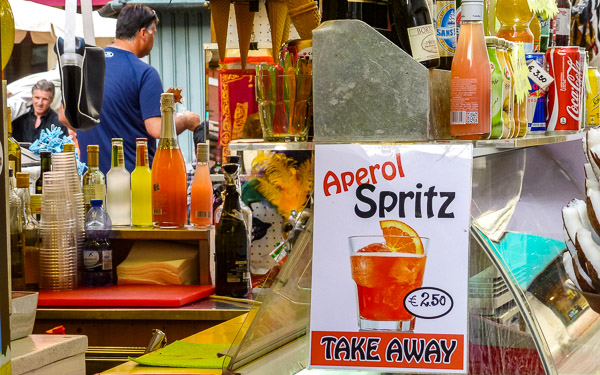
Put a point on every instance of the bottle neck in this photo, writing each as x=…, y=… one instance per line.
x=117, y=157
x=93, y=161
x=168, y=135
x=141, y=158
x=472, y=13
x=231, y=201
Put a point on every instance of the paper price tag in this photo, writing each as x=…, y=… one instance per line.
x=539, y=75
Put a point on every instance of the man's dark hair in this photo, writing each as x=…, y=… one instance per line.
x=44, y=85
x=133, y=18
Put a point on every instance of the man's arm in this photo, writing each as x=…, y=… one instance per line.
x=187, y=121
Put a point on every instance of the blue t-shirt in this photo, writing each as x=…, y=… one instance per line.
x=132, y=92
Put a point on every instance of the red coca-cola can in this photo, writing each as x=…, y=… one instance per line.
x=565, y=105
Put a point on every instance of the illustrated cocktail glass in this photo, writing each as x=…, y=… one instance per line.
x=385, y=270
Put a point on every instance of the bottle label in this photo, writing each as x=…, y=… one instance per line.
x=423, y=43
x=106, y=260
x=563, y=22
x=96, y=191
x=203, y=214
x=464, y=104
x=445, y=25
x=496, y=95
x=91, y=259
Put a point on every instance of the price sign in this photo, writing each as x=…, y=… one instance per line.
x=539, y=75
x=428, y=303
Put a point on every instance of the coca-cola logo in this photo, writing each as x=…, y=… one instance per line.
x=574, y=78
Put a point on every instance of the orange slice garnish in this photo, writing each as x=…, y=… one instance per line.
x=400, y=237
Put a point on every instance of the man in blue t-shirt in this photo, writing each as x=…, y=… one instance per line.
x=132, y=89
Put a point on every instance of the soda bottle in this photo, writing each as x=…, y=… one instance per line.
x=97, y=253
x=562, y=24
x=497, y=96
x=118, y=187
x=202, y=192
x=515, y=17
x=141, y=186
x=470, y=77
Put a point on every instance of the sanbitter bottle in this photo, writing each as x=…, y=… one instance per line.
x=94, y=184
x=14, y=150
x=169, y=177
x=232, y=259
x=141, y=186
x=202, y=191
x=118, y=187
x=46, y=166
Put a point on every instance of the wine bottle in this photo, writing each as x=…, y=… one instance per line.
x=416, y=32
x=169, y=177
x=46, y=166
x=94, y=185
x=118, y=187
x=14, y=150
x=202, y=192
x=232, y=276
x=141, y=186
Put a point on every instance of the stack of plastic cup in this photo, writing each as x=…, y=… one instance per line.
x=66, y=162
x=58, y=252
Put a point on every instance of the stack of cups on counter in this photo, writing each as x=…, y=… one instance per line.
x=66, y=162
x=58, y=253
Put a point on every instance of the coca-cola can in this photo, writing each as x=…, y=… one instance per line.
x=565, y=94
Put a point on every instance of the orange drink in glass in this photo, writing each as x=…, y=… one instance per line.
x=385, y=270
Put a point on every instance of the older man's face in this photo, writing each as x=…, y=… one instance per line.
x=41, y=101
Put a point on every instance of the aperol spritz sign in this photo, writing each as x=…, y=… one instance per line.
x=390, y=257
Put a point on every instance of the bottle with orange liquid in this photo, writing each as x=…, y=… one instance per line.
x=515, y=18
x=202, y=192
x=470, y=82
x=169, y=178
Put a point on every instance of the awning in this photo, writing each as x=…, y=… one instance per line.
x=46, y=23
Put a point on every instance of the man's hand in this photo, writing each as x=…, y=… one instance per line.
x=187, y=121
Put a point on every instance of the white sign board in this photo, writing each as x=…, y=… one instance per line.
x=390, y=257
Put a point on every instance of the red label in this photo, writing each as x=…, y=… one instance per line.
x=387, y=350
x=565, y=94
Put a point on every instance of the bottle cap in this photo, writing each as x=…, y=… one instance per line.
x=96, y=202
x=491, y=40
x=68, y=147
x=231, y=171
x=93, y=148
x=167, y=101
x=472, y=10
x=202, y=152
x=22, y=180
x=141, y=139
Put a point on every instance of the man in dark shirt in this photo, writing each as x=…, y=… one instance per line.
x=28, y=126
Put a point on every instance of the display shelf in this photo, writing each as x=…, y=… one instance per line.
x=259, y=144
x=151, y=233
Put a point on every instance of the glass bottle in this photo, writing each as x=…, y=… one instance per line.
x=36, y=206
x=445, y=27
x=515, y=18
x=118, y=187
x=497, y=88
x=17, y=267
x=97, y=252
x=520, y=114
x=141, y=186
x=508, y=93
x=416, y=32
x=246, y=211
x=232, y=259
x=94, y=183
x=536, y=30
x=544, y=33
x=169, y=177
x=46, y=166
x=373, y=13
x=470, y=77
x=31, y=235
x=14, y=150
x=69, y=147
x=202, y=191
x=562, y=24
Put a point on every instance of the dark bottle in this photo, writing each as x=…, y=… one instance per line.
x=445, y=28
x=416, y=32
x=232, y=258
x=374, y=13
x=46, y=165
x=97, y=252
x=562, y=23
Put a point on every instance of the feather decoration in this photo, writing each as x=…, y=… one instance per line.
x=282, y=182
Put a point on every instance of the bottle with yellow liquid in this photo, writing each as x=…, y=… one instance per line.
x=508, y=107
x=520, y=129
x=14, y=150
x=141, y=186
x=515, y=18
